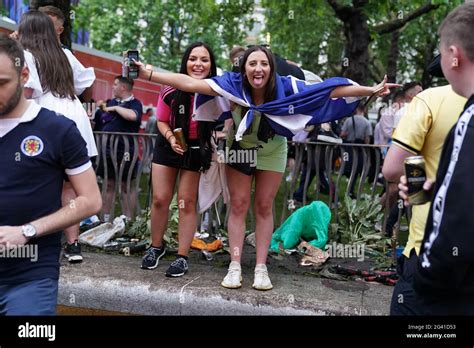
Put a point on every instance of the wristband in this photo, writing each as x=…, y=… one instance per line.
x=151, y=74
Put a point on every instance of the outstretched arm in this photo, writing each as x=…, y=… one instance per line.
x=383, y=88
x=182, y=82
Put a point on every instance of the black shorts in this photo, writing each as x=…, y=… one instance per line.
x=111, y=171
x=164, y=155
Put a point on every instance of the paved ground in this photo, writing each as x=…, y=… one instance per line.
x=116, y=283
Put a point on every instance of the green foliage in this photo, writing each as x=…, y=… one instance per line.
x=356, y=221
x=309, y=33
x=419, y=40
x=305, y=32
x=162, y=30
x=141, y=227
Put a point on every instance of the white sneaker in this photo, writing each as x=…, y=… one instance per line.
x=233, y=279
x=261, y=280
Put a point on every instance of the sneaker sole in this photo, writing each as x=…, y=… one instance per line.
x=157, y=261
x=232, y=287
x=175, y=275
x=262, y=289
x=75, y=258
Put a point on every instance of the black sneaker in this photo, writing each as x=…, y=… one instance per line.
x=178, y=267
x=73, y=252
x=152, y=257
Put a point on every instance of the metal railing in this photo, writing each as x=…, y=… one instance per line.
x=332, y=163
x=137, y=153
x=336, y=169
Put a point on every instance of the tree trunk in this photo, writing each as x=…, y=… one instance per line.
x=428, y=56
x=356, y=31
x=65, y=7
x=393, y=57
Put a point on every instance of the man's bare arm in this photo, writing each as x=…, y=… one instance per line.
x=87, y=203
x=393, y=164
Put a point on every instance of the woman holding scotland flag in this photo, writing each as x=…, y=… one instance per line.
x=266, y=108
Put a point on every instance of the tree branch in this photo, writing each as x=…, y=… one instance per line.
x=359, y=3
x=342, y=12
x=391, y=26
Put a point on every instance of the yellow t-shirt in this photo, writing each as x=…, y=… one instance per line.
x=422, y=130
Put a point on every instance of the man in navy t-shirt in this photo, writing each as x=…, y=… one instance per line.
x=37, y=148
x=121, y=115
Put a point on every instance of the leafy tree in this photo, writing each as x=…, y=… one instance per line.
x=419, y=43
x=162, y=30
x=305, y=32
x=361, y=39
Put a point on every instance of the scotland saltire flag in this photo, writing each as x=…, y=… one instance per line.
x=297, y=103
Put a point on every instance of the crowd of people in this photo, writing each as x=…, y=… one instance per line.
x=45, y=130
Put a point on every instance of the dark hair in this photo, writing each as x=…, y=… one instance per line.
x=38, y=36
x=456, y=27
x=379, y=112
x=182, y=100
x=53, y=11
x=14, y=51
x=399, y=94
x=180, y=108
x=270, y=90
x=126, y=81
x=409, y=85
x=236, y=50
x=361, y=107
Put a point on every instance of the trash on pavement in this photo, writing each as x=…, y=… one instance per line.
x=100, y=235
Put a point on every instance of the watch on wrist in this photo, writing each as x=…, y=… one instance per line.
x=29, y=231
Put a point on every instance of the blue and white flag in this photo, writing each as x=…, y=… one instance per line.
x=297, y=103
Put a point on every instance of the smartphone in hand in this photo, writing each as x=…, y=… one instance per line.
x=129, y=68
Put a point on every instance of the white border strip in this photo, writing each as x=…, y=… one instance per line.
x=440, y=199
x=79, y=170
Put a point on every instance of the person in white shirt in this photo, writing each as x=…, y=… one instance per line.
x=56, y=77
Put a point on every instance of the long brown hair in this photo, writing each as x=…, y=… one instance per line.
x=38, y=36
x=270, y=88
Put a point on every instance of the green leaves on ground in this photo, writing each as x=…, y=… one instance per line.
x=356, y=222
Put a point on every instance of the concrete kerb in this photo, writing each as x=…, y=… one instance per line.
x=115, y=283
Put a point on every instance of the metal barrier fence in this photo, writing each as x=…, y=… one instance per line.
x=123, y=151
x=329, y=164
x=337, y=170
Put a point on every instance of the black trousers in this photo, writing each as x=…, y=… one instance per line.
x=404, y=298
